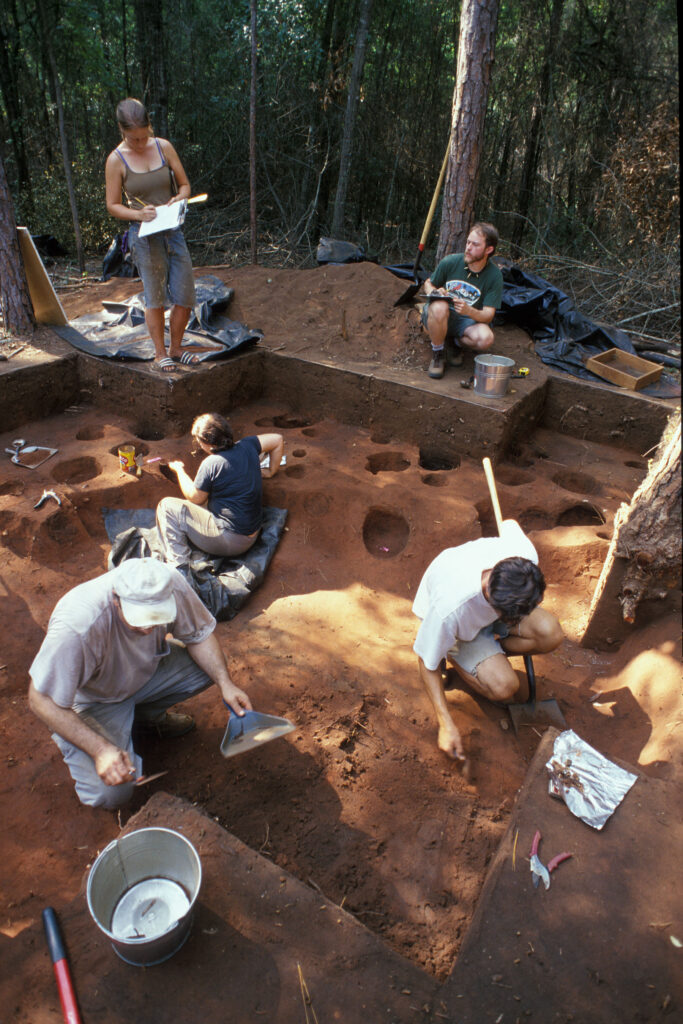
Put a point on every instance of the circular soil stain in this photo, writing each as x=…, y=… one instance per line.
x=581, y=515
x=6, y=518
x=435, y=461
x=511, y=476
x=15, y=533
x=387, y=462
x=140, y=449
x=295, y=471
x=90, y=434
x=535, y=519
x=385, y=533
x=380, y=438
x=310, y=432
x=603, y=535
x=299, y=453
x=146, y=433
x=572, y=480
x=75, y=471
x=517, y=454
x=317, y=503
x=63, y=527
x=434, y=480
x=12, y=487
x=285, y=422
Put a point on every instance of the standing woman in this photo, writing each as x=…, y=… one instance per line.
x=228, y=483
x=142, y=168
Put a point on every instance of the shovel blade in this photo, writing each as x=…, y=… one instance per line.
x=539, y=712
x=253, y=729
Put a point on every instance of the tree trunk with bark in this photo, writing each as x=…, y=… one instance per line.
x=252, y=134
x=533, y=142
x=47, y=30
x=644, y=557
x=478, y=21
x=152, y=58
x=15, y=301
x=350, y=118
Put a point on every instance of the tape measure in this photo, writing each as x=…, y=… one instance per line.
x=523, y=371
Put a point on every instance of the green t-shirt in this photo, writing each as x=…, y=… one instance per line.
x=478, y=290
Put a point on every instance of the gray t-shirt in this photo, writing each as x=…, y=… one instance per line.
x=89, y=654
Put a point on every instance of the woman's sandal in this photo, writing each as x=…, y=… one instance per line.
x=166, y=365
x=186, y=359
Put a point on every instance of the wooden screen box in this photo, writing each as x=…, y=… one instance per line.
x=624, y=369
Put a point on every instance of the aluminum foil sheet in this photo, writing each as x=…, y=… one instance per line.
x=591, y=786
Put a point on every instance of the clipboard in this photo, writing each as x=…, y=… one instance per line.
x=167, y=218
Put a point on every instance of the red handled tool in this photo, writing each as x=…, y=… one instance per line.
x=539, y=872
x=57, y=949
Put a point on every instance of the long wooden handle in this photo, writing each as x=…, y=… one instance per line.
x=488, y=470
x=435, y=197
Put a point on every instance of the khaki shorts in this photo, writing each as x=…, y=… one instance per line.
x=469, y=654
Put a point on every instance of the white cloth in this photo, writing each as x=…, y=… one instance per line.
x=90, y=655
x=449, y=599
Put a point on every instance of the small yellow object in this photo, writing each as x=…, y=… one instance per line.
x=523, y=371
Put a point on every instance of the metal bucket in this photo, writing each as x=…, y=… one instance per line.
x=141, y=893
x=492, y=375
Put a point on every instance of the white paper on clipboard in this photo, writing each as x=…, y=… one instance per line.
x=167, y=218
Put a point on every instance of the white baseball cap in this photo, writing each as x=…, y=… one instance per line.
x=145, y=589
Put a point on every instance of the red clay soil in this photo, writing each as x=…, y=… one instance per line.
x=357, y=802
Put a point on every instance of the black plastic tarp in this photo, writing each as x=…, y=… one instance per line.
x=119, y=331
x=223, y=584
x=563, y=337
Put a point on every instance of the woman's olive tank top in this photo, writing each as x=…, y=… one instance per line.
x=153, y=187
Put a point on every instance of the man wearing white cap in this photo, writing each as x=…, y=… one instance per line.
x=106, y=663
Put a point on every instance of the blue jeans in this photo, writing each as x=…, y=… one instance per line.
x=165, y=267
x=177, y=678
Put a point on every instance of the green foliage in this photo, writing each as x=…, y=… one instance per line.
x=589, y=88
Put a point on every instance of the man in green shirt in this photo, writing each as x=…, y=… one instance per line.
x=464, y=293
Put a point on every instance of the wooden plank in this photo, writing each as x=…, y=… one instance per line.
x=46, y=305
x=596, y=946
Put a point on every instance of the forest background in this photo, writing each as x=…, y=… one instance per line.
x=579, y=164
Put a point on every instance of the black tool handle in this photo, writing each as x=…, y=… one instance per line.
x=55, y=942
x=531, y=678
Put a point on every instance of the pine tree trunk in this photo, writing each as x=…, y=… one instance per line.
x=350, y=118
x=152, y=58
x=252, y=134
x=644, y=558
x=478, y=21
x=57, y=91
x=15, y=301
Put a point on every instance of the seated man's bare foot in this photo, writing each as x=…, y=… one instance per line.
x=450, y=742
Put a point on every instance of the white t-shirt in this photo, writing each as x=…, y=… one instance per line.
x=89, y=654
x=449, y=599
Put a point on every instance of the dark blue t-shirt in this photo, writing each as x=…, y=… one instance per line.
x=232, y=478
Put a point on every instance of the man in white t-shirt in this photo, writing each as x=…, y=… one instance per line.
x=479, y=603
x=106, y=662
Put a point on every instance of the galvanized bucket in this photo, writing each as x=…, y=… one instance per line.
x=492, y=375
x=141, y=893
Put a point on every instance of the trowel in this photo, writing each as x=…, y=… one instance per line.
x=252, y=729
